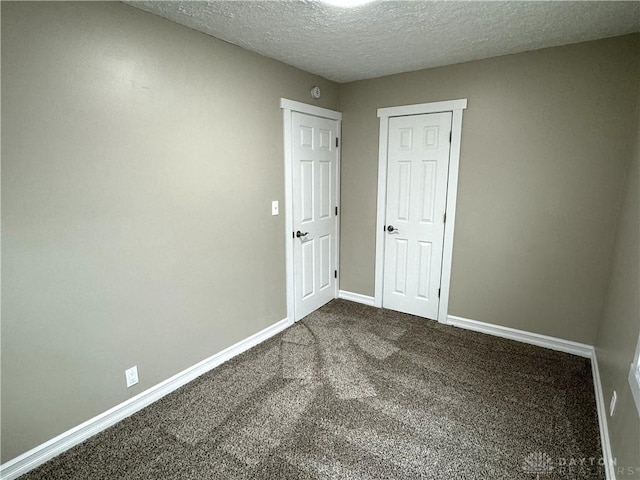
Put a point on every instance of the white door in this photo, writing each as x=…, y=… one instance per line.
x=315, y=162
x=418, y=164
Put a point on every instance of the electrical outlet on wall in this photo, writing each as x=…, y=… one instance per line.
x=131, y=375
x=612, y=405
x=275, y=208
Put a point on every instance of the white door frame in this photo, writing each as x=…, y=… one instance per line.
x=456, y=107
x=288, y=107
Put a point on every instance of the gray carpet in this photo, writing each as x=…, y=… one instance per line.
x=354, y=392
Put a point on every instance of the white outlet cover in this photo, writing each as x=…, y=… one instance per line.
x=131, y=376
x=612, y=405
x=275, y=208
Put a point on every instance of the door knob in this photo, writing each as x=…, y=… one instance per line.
x=392, y=229
x=299, y=234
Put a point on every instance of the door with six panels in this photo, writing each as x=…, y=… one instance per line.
x=315, y=159
x=418, y=164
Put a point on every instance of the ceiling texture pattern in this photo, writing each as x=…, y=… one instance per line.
x=387, y=37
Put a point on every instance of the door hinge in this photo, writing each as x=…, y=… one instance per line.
x=438, y=293
x=445, y=217
x=450, y=135
x=335, y=274
x=337, y=142
x=336, y=210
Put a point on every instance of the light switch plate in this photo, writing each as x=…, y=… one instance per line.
x=275, y=208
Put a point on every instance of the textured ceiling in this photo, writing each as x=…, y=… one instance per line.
x=386, y=37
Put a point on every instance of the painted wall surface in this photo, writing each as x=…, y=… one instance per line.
x=545, y=141
x=620, y=325
x=139, y=162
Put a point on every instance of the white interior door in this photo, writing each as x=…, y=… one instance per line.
x=418, y=163
x=315, y=201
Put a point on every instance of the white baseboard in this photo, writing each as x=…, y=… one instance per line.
x=607, y=455
x=42, y=453
x=356, y=297
x=553, y=343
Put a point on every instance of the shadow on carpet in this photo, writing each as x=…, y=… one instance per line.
x=355, y=392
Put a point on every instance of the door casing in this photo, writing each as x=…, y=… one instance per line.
x=456, y=107
x=288, y=107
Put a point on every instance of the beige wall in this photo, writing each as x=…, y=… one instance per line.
x=545, y=140
x=139, y=161
x=620, y=325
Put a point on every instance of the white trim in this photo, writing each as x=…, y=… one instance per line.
x=456, y=107
x=634, y=384
x=288, y=107
x=46, y=451
x=607, y=455
x=634, y=381
x=288, y=210
x=449, y=227
x=294, y=106
x=422, y=108
x=357, y=297
x=381, y=207
x=339, y=205
x=553, y=343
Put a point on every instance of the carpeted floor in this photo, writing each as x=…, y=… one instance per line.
x=354, y=392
